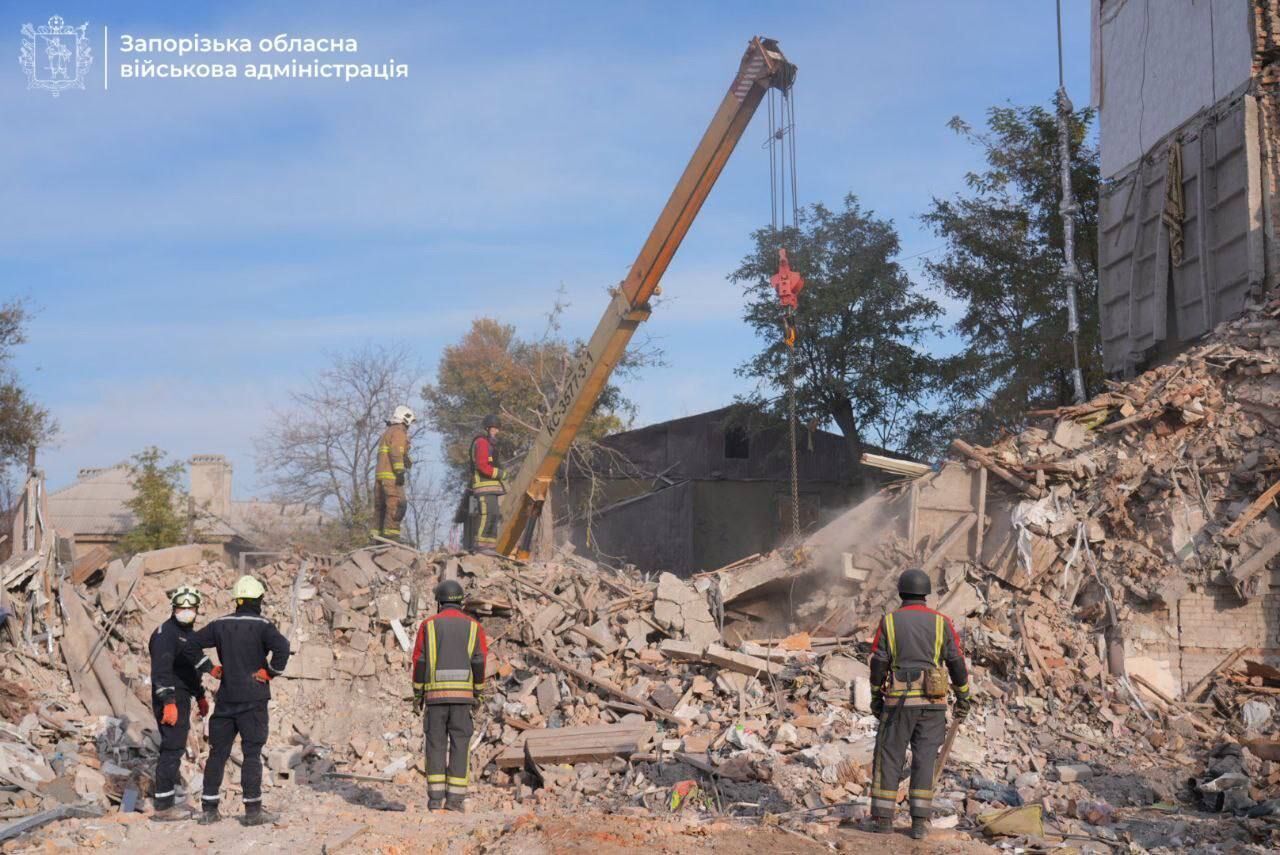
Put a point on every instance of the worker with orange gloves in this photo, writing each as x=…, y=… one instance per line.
x=176, y=666
x=253, y=653
x=485, y=487
x=914, y=651
x=389, y=503
x=448, y=679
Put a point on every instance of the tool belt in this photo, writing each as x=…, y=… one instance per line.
x=930, y=684
x=917, y=686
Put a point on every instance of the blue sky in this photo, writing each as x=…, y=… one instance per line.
x=197, y=247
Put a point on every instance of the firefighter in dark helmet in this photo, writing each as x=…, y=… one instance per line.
x=914, y=652
x=448, y=679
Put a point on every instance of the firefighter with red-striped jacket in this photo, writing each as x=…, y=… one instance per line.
x=914, y=652
x=448, y=679
x=484, y=490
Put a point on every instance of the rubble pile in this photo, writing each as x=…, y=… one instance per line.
x=1157, y=492
x=744, y=692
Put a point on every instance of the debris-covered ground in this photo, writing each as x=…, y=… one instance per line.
x=731, y=710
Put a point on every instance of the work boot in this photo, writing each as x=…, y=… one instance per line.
x=173, y=813
x=209, y=816
x=919, y=827
x=882, y=825
x=435, y=804
x=456, y=803
x=255, y=815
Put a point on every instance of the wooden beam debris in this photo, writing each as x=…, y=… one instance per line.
x=1194, y=691
x=578, y=744
x=609, y=688
x=996, y=469
x=1251, y=513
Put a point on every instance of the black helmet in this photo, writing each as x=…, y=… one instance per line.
x=449, y=591
x=490, y=421
x=914, y=583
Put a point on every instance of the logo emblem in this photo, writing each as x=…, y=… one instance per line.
x=55, y=56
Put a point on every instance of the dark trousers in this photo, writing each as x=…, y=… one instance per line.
x=923, y=730
x=173, y=742
x=483, y=525
x=448, y=728
x=249, y=721
x=389, y=508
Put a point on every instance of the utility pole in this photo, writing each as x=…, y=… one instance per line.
x=1071, y=276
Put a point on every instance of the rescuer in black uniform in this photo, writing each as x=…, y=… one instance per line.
x=251, y=652
x=176, y=666
x=914, y=651
x=448, y=679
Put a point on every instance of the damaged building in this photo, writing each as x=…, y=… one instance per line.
x=1186, y=95
x=94, y=510
x=716, y=484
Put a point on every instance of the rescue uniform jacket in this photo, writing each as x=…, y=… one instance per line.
x=393, y=452
x=246, y=642
x=176, y=663
x=486, y=479
x=449, y=657
x=912, y=640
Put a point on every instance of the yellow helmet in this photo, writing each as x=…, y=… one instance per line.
x=185, y=597
x=247, y=588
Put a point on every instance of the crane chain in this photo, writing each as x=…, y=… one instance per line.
x=795, y=457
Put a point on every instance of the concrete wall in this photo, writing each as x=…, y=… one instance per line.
x=734, y=519
x=1162, y=62
x=1148, y=306
x=654, y=532
x=211, y=483
x=704, y=525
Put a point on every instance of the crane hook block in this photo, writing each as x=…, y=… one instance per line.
x=786, y=282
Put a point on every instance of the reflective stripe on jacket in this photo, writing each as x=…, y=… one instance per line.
x=485, y=477
x=393, y=450
x=449, y=657
x=916, y=638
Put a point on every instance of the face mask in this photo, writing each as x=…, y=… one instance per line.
x=185, y=615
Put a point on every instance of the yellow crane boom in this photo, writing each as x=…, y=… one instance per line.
x=763, y=68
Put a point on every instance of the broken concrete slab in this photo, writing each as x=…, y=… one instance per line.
x=845, y=669
x=1071, y=772
x=578, y=744
x=682, y=610
x=741, y=581
x=313, y=662
x=171, y=558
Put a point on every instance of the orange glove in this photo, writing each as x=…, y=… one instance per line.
x=217, y=672
x=203, y=703
x=170, y=715
x=261, y=675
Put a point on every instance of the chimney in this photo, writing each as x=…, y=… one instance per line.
x=211, y=483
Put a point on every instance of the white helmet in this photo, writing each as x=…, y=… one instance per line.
x=403, y=415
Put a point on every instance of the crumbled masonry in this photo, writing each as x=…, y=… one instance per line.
x=1113, y=595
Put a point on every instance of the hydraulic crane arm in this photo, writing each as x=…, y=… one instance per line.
x=763, y=67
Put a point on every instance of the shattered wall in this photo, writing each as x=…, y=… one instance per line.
x=1187, y=140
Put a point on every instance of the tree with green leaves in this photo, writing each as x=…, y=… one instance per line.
x=1002, y=266
x=860, y=356
x=494, y=370
x=157, y=504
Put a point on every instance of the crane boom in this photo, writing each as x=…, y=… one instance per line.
x=763, y=67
